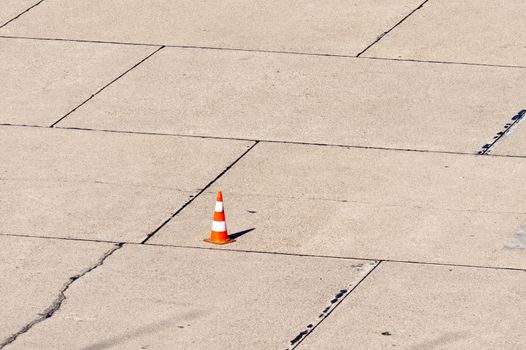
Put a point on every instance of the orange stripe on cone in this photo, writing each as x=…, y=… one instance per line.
x=219, y=234
x=219, y=216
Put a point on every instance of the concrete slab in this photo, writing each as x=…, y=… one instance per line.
x=190, y=298
x=9, y=9
x=44, y=80
x=513, y=143
x=460, y=31
x=99, y=185
x=428, y=307
x=376, y=204
x=308, y=99
x=33, y=273
x=318, y=26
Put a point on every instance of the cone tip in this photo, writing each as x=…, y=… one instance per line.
x=220, y=196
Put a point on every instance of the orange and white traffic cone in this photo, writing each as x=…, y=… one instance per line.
x=219, y=233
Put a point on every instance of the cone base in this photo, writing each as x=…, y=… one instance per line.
x=219, y=242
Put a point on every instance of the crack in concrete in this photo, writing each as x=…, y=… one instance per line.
x=57, y=303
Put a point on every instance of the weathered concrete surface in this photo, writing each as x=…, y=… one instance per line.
x=518, y=240
x=428, y=307
x=513, y=143
x=168, y=298
x=320, y=26
x=375, y=204
x=9, y=9
x=43, y=80
x=98, y=185
x=33, y=273
x=254, y=82
x=488, y=32
x=309, y=99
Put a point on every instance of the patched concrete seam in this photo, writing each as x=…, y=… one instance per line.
x=57, y=303
x=506, y=130
x=368, y=268
x=518, y=240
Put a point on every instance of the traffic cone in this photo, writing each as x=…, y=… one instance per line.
x=219, y=234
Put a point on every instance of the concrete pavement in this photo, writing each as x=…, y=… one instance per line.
x=330, y=100
x=370, y=153
x=34, y=272
x=69, y=184
x=375, y=204
x=184, y=298
x=272, y=25
x=473, y=309
x=11, y=9
x=461, y=31
x=31, y=93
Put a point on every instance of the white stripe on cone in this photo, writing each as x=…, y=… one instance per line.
x=218, y=226
x=219, y=207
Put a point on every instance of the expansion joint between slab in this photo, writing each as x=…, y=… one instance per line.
x=176, y=246
x=334, y=303
x=391, y=29
x=105, y=86
x=396, y=149
x=150, y=235
x=20, y=14
x=505, y=130
x=314, y=54
x=57, y=303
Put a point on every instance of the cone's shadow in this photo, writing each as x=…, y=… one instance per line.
x=241, y=233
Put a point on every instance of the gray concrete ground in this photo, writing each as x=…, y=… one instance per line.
x=370, y=154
